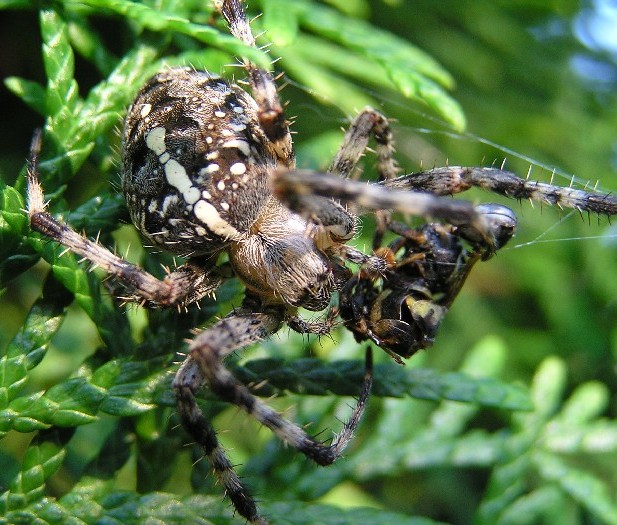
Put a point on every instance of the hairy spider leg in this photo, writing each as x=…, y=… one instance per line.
x=421, y=194
x=369, y=122
x=455, y=179
x=205, y=366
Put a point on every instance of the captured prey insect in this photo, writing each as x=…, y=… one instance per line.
x=208, y=169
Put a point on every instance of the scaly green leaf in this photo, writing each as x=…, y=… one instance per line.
x=314, y=377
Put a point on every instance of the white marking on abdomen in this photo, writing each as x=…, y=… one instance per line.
x=207, y=214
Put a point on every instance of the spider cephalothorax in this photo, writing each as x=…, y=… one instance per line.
x=208, y=168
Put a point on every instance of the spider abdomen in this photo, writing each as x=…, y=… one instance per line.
x=195, y=162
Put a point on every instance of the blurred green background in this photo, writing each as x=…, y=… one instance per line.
x=537, y=83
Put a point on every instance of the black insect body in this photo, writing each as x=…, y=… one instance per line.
x=209, y=169
x=402, y=311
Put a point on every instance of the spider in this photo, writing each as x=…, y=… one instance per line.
x=208, y=169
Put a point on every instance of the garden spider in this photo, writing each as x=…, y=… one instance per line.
x=209, y=169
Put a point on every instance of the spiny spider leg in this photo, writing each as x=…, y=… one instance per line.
x=421, y=194
x=454, y=179
x=185, y=285
x=369, y=122
x=315, y=327
x=205, y=365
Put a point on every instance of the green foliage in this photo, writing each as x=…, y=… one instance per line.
x=362, y=48
x=86, y=409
